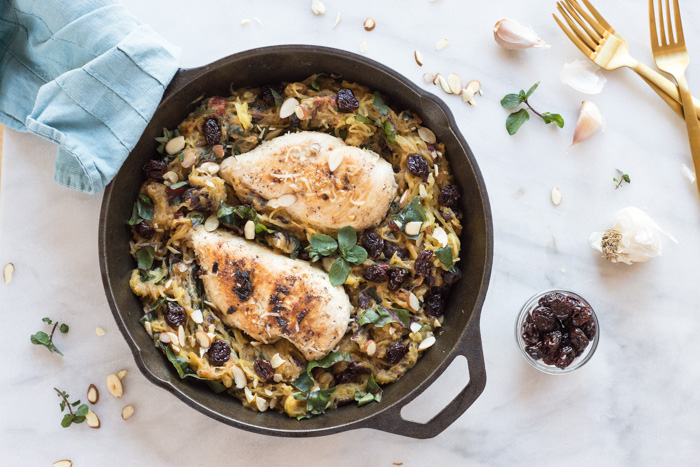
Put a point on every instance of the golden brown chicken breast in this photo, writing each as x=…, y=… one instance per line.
x=317, y=179
x=270, y=296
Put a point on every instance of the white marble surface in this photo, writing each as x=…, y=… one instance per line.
x=635, y=403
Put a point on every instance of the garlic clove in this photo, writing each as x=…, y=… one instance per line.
x=633, y=239
x=512, y=35
x=589, y=120
x=584, y=76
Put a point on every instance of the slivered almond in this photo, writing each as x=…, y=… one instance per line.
x=413, y=228
x=444, y=84
x=93, y=395
x=337, y=19
x=276, y=361
x=436, y=78
x=127, y=412
x=175, y=145
x=122, y=374
x=92, y=420
x=415, y=327
x=455, y=83
x=170, y=176
x=63, y=463
x=7, y=272
x=211, y=224
x=440, y=235
x=249, y=396
x=197, y=316
x=441, y=44
x=422, y=192
x=371, y=348
x=114, y=385
x=164, y=338
x=363, y=46
x=428, y=77
x=245, y=22
x=203, y=339
x=288, y=106
x=334, y=160
x=239, y=377
x=318, y=8
x=427, y=135
x=261, y=403
x=210, y=167
x=249, y=230
x=99, y=331
x=418, y=56
x=174, y=339
x=427, y=342
x=369, y=24
x=287, y=200
x=413, y=302
x=277, y=377
x=181, y=335
x=556, y=196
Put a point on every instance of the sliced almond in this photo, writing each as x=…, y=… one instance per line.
x=249, y=230
x=287, y=200
x=114, y=384
x=182, y=267
x=369, y=24
x=556, y=196
x=249, y=396
x=99, y=331
x=302, y=112
x=455, y=83
x=257, y=20
x=427, y=135
x=188, y=159
x=127, y=412
x=175, y=145
x=197, y=316
x=428, y=77
x=211, y=224
x=210, y=167
x=441, y=44
x=63, y=463
x=318, y=8
x=413, y=228
x=277, y=377
x=419, y=57
x=416, y=327
x=413, y=302
x=288, y=106
x=363, y=46
x=7, y=272
x=239, y=377
x=174, y=338
x=93, y=395
x=444, y=84
x=427, y=342
x=337, y=20
x=170, y=176
x=334, y=160
x=371, y=348
x=203, y=339
x=473, y=87
x=276, y=361
x=436, y=78
x=181, y=335
x=245, y=22
x=261, y=403
x=440, y=235
x=92, y=420
x=122, y=374
x=164, y=337
x=422, y=192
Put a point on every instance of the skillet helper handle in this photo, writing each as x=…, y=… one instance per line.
x=392, y=422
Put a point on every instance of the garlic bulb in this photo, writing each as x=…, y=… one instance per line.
x=584, y=76
x=512, y=35
x=633, y=239
x=589, y=120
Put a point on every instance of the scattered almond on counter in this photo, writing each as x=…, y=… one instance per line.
x=7, y=272
x=114, y=385
x=122, y=374
x=369, y=24
x=337, y=19
x=99, y=331
x=363, y=47
x=127, y=412
x=63, y=463
x=556, y=196
x=441, y=44
x=92, y=420
x=317, y=7
x=93, y=395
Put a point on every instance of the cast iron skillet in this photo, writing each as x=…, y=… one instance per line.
x=460, y=333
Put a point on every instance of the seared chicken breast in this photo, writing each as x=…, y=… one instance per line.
x=317, y=179
x=270, y=296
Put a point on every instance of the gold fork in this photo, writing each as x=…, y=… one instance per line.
x=671, y=56
x=606, y=48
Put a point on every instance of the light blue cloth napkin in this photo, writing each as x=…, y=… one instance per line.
x=84, y=74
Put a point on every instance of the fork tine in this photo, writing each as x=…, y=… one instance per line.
x=652, y=27
x=574, y=38
x=679, y=25
x=662, y=28
x=669, y=22
x=594, y=24
x=598, y=16
x=572, y=24
x=594, y=34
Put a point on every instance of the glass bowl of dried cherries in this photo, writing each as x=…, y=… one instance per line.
x=557, y=331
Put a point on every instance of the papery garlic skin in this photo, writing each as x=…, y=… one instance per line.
x=512, y=35
x=584, y=76
x=589, y=120
x=633, y=239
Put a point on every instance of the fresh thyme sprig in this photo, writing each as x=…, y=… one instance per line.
x=623, y=178
x=71, y=417
x=516, y=119
x=41, y=338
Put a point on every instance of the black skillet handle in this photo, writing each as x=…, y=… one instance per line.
x=392, y=422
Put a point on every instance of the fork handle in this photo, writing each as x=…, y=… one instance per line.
x=664, y=85
x=675, y=106
x=691, y=122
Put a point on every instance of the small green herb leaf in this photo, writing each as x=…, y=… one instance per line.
x=380, y=316
x=515, y=121
x=47, y=320
x=339, y=272
x=356, y=255
x=314, y=83
x=556, y=118
x=362, y=119
x=40, y=338
x=324, y=244
x=278, y=99
x=531, y=90
x=144, y=257
x=82, y=410
x=444, y=254
x=390, y=131
x=379, y=104
x=374, y=393
x=64, y=328
x=511, y=101
x=347, y=238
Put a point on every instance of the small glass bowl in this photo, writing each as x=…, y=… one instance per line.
x=579, y=361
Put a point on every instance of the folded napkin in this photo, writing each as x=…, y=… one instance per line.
x=84, y=74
